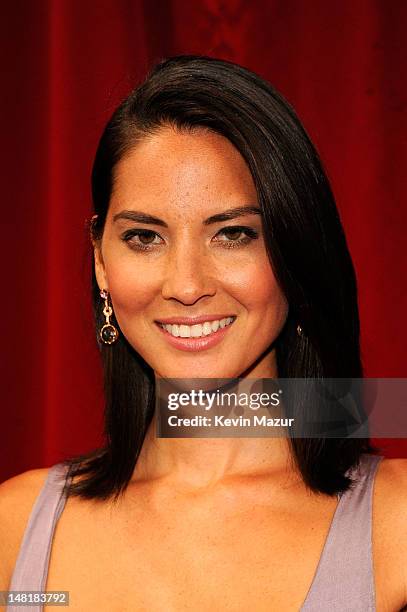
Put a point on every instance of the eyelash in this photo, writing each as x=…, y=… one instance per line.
x=251, y=234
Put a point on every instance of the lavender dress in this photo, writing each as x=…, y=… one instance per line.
x=343, y=581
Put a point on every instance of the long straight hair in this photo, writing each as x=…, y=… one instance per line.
x=304, y=239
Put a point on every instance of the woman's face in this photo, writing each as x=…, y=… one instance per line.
x=173, y=252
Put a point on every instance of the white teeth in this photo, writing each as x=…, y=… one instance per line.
x=206, y=328
x=196, y=330
x=199, y=329
x=184, y=331
x=174, y=331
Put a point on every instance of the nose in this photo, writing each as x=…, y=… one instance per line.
x=189, y=275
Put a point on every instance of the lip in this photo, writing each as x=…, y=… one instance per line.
x=193, y=320
x=195, y=344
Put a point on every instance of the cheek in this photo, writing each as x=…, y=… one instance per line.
x=131, y=294
x=131, y=289
x=256, y=287
x=267, y=292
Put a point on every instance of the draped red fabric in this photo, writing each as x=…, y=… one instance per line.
x=66, y=64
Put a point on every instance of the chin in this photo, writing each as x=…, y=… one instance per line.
x=199, y=372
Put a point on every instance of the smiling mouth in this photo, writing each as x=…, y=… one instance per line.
x=198, y=330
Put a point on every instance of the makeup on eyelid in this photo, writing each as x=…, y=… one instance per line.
x=250, y=235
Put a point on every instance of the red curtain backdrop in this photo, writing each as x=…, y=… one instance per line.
x=66, y=64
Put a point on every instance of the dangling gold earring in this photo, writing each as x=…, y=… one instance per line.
x=108, y=334
x=300, y=330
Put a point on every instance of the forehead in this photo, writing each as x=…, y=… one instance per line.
x=182, y=171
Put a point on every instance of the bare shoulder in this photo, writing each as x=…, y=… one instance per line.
x=17, y=498
x=390, y=520
x=18, y=493
x=391, y=483
x=390, y=495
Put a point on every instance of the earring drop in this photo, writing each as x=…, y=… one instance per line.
x=300, y=331
x=108, y=334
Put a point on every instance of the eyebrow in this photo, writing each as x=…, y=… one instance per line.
x=231, y=213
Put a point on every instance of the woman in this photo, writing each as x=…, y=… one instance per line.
x=219, y=253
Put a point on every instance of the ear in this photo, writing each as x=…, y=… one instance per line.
x=100, y=266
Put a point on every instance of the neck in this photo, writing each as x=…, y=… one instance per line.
x=203, y=462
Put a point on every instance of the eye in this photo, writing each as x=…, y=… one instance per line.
x=141, y=239
x=228, y=237
x=236, y=236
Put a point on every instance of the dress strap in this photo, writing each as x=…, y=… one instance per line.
x=31, y=568
x=344, y=578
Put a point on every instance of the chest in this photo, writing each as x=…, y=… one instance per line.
x=171, y=556
x=197, y=557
